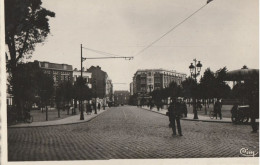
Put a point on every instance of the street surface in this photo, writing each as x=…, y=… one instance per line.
x=129, y=132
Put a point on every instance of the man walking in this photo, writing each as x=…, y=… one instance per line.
x=217, y=109
x=99, y=106
x=184, y=108
x=174, y=115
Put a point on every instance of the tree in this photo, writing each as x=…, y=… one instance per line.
x=59, y=99
x=207, y=87
x=189, y=88
x=81, y=92
x=26, y=24
x=222, y=90
x=33, y=84
x=174, y=90
x=157, y=96
x=207, y=84
x=26, y=90
x=45, y=89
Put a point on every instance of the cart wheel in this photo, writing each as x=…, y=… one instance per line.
x=244, y=119
x=233, y=119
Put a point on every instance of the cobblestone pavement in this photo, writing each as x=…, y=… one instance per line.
x=129, y=133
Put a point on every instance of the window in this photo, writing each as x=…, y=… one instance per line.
x=156, y=80
x=143, y=81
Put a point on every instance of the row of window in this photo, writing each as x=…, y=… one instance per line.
x=165, y=73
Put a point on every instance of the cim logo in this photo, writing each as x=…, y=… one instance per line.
x=247, y=152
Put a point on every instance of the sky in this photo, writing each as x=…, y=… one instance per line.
x=223, y=33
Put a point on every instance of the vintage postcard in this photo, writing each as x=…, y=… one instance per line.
x=122, y=82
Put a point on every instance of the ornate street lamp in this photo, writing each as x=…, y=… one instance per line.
x=195, y=71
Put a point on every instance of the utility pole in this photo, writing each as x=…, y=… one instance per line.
x=83, y=59
x=80, y=101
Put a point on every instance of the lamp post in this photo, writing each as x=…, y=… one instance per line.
x=80, y=101
x=195, y=71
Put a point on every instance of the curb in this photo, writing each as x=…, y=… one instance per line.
x=198, y=120
x=212, y=121
x=76, y=122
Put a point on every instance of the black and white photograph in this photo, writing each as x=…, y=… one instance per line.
x=129, y=81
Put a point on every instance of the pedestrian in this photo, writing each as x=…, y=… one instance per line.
x=151, y=105
x=89, y=110
x=94, y=107
x=217, y=109
x=175, y=115
x=199, y=105
x=254, y=110
x=158, y=106
x=184, y=108
x=99, y=106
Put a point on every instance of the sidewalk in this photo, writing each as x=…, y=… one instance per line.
x=69, y=120
x=190, y=116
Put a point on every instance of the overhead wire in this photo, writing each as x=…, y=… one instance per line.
x=101, y=52
x=148, y=46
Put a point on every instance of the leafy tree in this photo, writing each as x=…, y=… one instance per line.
x=81, y=92
x=165, y=93
x=174, y=90
x=59, y=98
x=25, y=90
x=45, y=89
x=189, y=88
x=157, y=95
x=207, y=84
x=222, y=89
x=33, y=83
x=26, y=24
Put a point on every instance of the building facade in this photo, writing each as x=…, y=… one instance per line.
x=101, y=84
x=147, y=80
x=86, y=75
x=109, y=89
x=121, y=97
x=131, y=88
x=59, y=72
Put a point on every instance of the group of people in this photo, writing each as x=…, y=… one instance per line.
x=92, y=106
x=178, y=108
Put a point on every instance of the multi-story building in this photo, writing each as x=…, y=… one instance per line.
x=131, y=88
x=99, y=82
x=121, y=97
x=147, y=80
x=109, y=89
x=59, y=72
x=86, y=75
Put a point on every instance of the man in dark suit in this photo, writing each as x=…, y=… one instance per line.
x=175, y=115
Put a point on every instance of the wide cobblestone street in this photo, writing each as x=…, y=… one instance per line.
x=129, y=133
